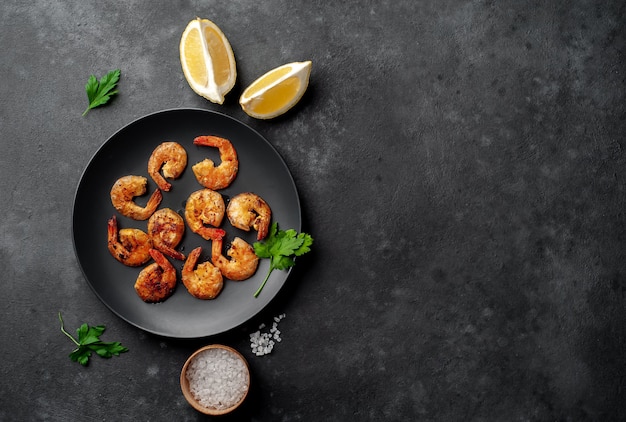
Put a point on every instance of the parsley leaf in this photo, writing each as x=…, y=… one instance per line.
x=99, y=93
x=89, y=341
x=280, y=247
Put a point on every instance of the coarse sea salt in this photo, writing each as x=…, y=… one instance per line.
x=262, y=342
x=217, y=378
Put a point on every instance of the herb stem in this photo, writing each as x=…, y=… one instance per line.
x=258, y=292
x=66, y=333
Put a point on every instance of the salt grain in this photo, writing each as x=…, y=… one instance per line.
x=217, y=378
x=262, y=343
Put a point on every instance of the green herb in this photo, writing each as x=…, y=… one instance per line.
x=89, y=341
x=100, y=93
x=281, y=247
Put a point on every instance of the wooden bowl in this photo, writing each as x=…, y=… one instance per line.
x=218, y=366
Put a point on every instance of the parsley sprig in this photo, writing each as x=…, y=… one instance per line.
x=281, y=247
x=100, y=92
x=89, y=341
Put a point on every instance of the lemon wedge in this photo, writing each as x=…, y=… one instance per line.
x=276, y=91
x=207, y=59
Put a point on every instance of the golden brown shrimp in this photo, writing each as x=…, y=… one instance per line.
x=166, y=228
x=243, y=261
x=205, y=207
x=172, y=158
x=123, y=192
x=206, y=281
x=157, y=281
x=129, y=246
x=207, y=173
x=247, y=210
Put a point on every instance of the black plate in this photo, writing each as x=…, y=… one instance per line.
x=261, y=170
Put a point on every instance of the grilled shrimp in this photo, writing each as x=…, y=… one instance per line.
x=205, y=282
x=243, y=261
x=216, y=177
x=128, y=187
x=247, y=210
x=172, y=158
x=166, y=228
x=129, y=246
x=157, y=281
x=205, y=207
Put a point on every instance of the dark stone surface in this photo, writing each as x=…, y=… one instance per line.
x=460, y=165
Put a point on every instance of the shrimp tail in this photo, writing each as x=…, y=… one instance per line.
x=159, y=258
x=263, y=227
x=209, y=141
x=114, y=247
x=216, y=250
x=211, y=233
x=192, y=260
x=171, y=252
x=161, y=182
x=112, y=230
x=155, y=200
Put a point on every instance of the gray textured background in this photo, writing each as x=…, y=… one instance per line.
x=460, y=165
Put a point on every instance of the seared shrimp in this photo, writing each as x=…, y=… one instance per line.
x=206, y=281
x=129, y=246
x=250, y=210
x=243, y=261
x=123, y=192
x=166, y=228
x=157, y=281
x=172, y=158
x=205, y=207
x=207, y=173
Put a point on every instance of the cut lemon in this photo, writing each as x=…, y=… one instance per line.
x=277, y=91
x=208, y=60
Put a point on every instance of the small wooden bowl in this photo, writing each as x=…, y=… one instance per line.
x=184, y=382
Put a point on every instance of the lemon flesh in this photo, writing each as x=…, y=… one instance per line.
x=220, y=55
x=194, y=59
x=276, y=91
